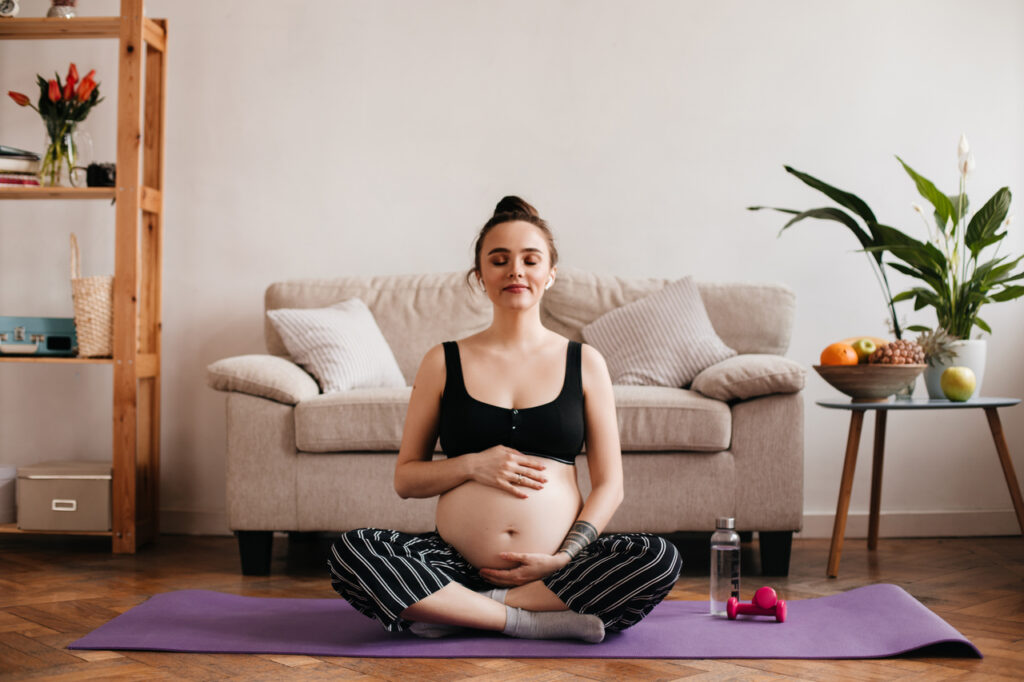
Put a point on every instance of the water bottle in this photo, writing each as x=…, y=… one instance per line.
x=725, y=564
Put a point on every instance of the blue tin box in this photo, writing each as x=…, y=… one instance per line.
x=52, y=336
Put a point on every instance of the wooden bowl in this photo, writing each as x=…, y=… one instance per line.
x=869, y=383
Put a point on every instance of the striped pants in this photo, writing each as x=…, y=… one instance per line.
x=618, y=578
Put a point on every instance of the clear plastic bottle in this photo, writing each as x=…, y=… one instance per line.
x=725, y=564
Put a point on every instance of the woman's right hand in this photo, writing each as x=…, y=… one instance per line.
x=508, y=469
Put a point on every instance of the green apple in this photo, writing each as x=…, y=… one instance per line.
x=864, y=348
x=957, y=383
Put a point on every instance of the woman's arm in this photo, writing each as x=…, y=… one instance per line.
x=417, y=475
x=604, y=456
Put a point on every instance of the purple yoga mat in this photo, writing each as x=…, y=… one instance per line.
x=868, y=622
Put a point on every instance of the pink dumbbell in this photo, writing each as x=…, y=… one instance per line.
x=765, y=603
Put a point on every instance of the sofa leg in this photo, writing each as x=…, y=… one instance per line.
x=254, y=548
x=775, y=547
x=296, y=537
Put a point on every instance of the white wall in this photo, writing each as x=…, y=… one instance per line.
x=325, y=138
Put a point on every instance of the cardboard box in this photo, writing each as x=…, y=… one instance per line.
x=64, y=496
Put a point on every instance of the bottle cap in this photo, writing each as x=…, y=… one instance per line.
x=725, y=523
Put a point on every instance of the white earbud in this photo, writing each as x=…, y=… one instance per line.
x=551, y=280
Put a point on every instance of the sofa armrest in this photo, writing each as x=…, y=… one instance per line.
x=264, y=376
x=261, y=464
x=768, y=451
x=742, y=377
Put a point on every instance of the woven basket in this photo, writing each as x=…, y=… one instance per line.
x=94, y=309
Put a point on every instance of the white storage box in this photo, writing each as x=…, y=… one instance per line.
x=8, y=478
x=64, y=496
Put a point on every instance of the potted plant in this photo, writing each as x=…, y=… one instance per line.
x=955, y=279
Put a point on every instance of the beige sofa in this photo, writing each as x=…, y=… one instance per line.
x=298, y=460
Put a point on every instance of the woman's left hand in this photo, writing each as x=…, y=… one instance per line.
x=531, y=567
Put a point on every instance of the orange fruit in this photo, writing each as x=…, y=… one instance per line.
x=839, y=353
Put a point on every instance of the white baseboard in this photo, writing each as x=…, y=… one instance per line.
x=185, y=522
x=916, y=524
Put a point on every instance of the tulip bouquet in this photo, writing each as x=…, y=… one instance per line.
x=62, y=106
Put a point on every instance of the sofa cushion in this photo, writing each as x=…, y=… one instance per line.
x=360, y=420
x=749, y=376
x=651, y=419
x=341, y=346
x=662, y=419
x=749, y=318
x=662, y=339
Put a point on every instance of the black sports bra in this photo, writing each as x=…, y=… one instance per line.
x=553, y=430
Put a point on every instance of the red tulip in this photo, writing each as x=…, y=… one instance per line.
x=54, y=92
x=22, y=100
x=72, y=74
x=85, y=88
x=88, y=76
x=69, y=89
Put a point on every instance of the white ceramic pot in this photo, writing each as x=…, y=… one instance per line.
x=970, y=353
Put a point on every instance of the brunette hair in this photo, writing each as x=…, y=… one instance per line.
x=510, y=209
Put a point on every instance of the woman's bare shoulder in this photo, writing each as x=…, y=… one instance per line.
x=593, y=367
x=591, y=356
x=431, y=373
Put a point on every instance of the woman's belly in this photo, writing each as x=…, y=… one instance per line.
x=480, y=521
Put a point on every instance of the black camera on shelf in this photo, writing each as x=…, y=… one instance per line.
x=101, y=175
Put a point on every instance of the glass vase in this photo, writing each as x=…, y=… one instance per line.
x=907, y=392
x=64, y=147
x=64, y=9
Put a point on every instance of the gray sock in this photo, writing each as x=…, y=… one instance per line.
x=497, y=594
x=552, y=625
x=434, y=630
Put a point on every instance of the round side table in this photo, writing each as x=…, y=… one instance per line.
x=881, y=410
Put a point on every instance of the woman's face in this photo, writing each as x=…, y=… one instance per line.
x=515, y=264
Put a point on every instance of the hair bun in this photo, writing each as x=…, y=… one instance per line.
x=513, y=204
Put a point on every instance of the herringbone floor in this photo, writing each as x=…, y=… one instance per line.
x=55, y=589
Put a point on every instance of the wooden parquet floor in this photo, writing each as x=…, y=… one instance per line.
x=55, y=589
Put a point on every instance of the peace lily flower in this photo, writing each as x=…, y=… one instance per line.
x=964, y=157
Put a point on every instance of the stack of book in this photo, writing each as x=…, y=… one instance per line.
x=18, y=167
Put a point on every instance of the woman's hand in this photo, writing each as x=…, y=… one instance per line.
x=508, y=469
x=531, y=567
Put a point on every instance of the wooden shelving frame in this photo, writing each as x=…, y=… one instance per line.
x=137, y=257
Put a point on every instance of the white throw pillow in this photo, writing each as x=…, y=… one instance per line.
x=662, y=339
x=341, y=346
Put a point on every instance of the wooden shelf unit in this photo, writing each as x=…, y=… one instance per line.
x=57, y=360
x=57, y=192
x=141, y=84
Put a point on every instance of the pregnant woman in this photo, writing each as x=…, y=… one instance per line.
x=516, y=549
